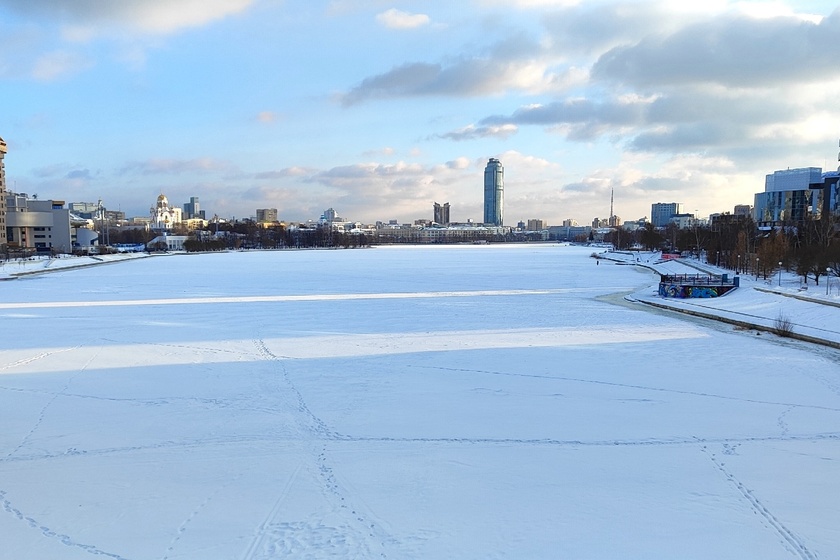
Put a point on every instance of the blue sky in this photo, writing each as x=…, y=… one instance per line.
x=378, y=109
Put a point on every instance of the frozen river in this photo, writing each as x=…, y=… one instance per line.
x=468, y=402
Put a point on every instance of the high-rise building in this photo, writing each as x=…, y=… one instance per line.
x=441, y=214
x=662, y=212
x=494, y=192
x=2, y=195
x=266, y=214
x=536, y=225
x=192, y=209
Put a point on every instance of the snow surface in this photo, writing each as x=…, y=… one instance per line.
x=471, y=402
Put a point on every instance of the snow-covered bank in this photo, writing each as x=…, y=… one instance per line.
x=813, y=314
x=9, y=270
x=337, y=405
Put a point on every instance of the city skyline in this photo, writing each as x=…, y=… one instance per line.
x=381, y=108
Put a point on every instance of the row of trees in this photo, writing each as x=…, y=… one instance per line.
x=246, y=235
x=811, y=249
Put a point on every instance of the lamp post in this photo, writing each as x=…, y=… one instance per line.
x=717, y=261
x=756, y=269
x=780, y=273
x=737, y=264
x=827, y=279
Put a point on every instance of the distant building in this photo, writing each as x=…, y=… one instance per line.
x=89, y=210
x=633, y=225
x=743, y=210
x=788, y=197
x=266, y=214
x=570, y=223
x=494, y=193
x=830, y=193
x=662, y=212
x=569, y=233
x=718, y=222
x=330, y=215
x=441, y=214
x=2, y=194
x=114, y=216
x=164, y=217
x=193, y=224
x=167, y=243
x=683, y=221
x=536, y=225
x=43, y=225
x=453, y=233
x=792, y=179
x=192, y=209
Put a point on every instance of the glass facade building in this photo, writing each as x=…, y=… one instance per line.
x=494, y=193
x=792, y=179
x=789, y=198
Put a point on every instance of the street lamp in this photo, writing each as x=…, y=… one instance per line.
x=717, y=261
x=737, y=264
x=780, y=273
x=756, y=269
x=827, y=279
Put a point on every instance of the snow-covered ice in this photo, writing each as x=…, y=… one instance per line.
x=464, y=402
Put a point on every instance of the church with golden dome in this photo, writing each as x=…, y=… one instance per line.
x=163, y=216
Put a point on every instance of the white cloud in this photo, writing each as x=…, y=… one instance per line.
x=512, y=4
x=458, y=163
x=86, y=18
x=469, y=77
x=171, y=166
x=472, y=132
x=56, y=64
x=397, y=19
x=387, y=151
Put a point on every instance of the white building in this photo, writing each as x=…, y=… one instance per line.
x=163, y=216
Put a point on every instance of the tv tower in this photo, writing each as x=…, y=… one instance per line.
x=614, y=220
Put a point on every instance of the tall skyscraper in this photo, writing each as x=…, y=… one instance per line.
x=192, y=209
x=2, y=194
x=494, y=192
x=441, y=214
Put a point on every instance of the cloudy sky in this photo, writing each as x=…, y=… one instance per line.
x=380, y=108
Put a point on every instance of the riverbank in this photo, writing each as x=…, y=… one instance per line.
x=780, y=305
